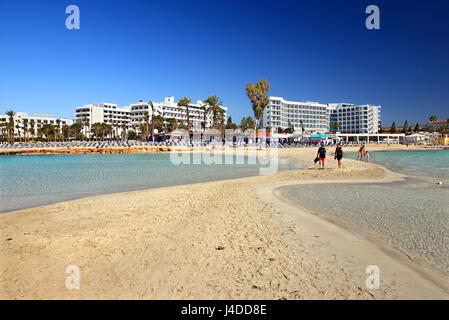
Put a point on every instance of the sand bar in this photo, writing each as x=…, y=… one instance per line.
x=233, y=239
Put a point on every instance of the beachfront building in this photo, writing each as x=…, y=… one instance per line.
x=169, y=109
x=280, y=113
x=318, y=117
x=354, y=119
x=103, y=112
x=22, y=119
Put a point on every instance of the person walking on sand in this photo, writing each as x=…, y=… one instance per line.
x=321, y=154
x=339, y=154
x=361, y=152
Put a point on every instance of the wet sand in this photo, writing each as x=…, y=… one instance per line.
x=233, y=239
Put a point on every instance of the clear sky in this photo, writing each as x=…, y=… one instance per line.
x=310, y=50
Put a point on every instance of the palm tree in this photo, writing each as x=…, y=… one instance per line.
x=433, y=118
x=221, y=114
x=124, y=127
x=18, y=131
x=146, y=118
x=301, y=124
x=11, y=114
x=32, y=131
x=214, y=106
x=206, y=110
x=334, y=125
x=150, y=103
x=47, y=129
x=184, y=102
x=58, y=123
x=258, y=95
x=25, y=128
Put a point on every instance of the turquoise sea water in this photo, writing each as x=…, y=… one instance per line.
x=432, y=164
x=28, y=181
x=411, y=215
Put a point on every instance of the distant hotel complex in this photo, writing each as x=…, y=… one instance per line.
x=133, y=115
x=301, y=116
x=34, y=122
x=314, y=116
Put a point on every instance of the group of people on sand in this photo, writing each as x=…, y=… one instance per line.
x=321, y=155
x=338, y=155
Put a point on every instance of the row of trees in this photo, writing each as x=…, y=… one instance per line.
x=406, y=128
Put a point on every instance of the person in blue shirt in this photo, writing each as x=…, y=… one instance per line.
x=321, y=154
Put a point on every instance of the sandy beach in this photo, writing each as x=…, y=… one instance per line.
x=233, y=239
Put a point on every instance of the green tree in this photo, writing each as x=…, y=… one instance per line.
x=25, y=129
x=334, y=126
x=258, y=95
x=48, y=130
x=206, y=111
x=10, y=125
x=85, y=122
x=405, y=127
x=301, y=124
x=247, y=123
x=146, y=118
x=393, y=127
x=416, y=127
x=32, y=130
x=185, y=102
x=433, y=118
x=230, y=124
x=171, y=124
x=215, y=106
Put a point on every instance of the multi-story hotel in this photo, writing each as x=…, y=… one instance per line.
x=134, y=115
x=38, y=119
x=355, y=119
x=169, y=109
x=282, y=114
x=317, y=117
x=103, y=112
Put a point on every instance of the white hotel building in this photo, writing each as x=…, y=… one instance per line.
x=317, y=117
x=355, y=119
x=134, y=114
x=281, y=113
x=39, y=121
x=169, y=109
x=103, y=112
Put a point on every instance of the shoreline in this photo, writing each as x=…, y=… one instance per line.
x=402, y=256
x=160, y=149
x=240, y=242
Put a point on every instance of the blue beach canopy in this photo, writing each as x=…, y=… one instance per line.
x=318, y=135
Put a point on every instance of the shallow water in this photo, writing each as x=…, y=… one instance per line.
x=28, y=181
x=432, y=164
x=413, y=215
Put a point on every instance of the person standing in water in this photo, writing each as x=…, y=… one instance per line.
x=339, y=154
x=321, y=154
x=367, y=156
x=361, y=152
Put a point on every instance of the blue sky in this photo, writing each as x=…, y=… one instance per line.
x=308, y=50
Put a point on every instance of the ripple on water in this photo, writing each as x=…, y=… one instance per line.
x=413, y=217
